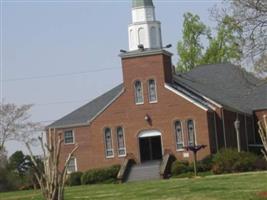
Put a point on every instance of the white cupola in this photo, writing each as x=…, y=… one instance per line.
x=144, y=29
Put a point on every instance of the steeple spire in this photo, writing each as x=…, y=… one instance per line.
x=142, y=3
x=144, y=30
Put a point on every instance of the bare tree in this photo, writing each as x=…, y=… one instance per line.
x=261, y=65
x=251, y=15
x=263, y=134
x=51, y=177
x=15, y=124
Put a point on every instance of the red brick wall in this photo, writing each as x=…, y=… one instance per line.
x=124, y=112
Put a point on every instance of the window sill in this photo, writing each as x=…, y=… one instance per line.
x=69, y=143
x=122, y=156
x=152, y=102
x=109, y=157
x=139, y=103
x=180, y=150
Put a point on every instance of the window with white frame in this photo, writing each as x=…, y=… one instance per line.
x=68, y=137
x=191, y=132
x=152, y=91
x=71, y=167
x=179, y=135
x=139, y=97
x=121, y=143
x=108, y=142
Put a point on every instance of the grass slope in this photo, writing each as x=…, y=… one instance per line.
x=226, y=187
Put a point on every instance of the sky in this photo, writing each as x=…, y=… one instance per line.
x=59, y=55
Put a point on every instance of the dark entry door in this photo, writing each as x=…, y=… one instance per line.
x=150, y=148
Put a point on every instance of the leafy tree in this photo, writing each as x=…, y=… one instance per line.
x=224, y=47
x=19, y=163
x=190, y=48
x=251, y=15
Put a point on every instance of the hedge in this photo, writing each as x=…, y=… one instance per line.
x=104, y=175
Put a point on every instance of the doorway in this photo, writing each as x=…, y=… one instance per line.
x=150, y=146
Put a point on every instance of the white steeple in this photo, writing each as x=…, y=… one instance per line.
x=144, y=29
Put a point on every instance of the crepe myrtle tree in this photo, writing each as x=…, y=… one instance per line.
x=263, y=134
x=51, y=177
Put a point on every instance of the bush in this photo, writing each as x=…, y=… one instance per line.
x=204, y=165
x=180, y=167
x=104, y=175
x=230, y=160
x=260, y=164
x=74, y=179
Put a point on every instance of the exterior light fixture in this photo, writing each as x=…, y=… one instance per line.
x=168, y=46
x=123, y=51
x=147, y=118
x=141, y=47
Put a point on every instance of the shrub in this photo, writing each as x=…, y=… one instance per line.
x=180, y=167
x=260, y=164
x=204, y=165
x=74, y=179
x=104, y=175
x=230, y=160
x=245, y=162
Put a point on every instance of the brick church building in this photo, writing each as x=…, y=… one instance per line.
x=155, y=110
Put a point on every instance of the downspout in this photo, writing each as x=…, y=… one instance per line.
x=222, y=113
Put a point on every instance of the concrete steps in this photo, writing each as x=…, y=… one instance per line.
x=146, y=171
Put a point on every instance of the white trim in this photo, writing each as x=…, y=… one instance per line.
x=203, y=96
x=149, y=133
x=185, y=97
x=73, y=137
x=224, y=136
x=215, y=131
x=156, y=92
x=93, y=118
x=114, y=99
x=76, y=165
x=146, y=131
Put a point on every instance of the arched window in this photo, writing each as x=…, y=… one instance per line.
x=179, y=135
x=141, y=36
x=121, y=143
x=108, y=142
x=191, y=132
x=139, y=98
x=152, y=91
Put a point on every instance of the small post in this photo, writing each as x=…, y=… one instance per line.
x=195, y=148
x=195, y=163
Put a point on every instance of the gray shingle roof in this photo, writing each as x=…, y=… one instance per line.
x=227, y=85
x=89, y=111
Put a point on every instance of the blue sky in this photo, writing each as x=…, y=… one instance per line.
x=59, y=55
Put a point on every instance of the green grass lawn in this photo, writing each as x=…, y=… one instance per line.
x=230, y=187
